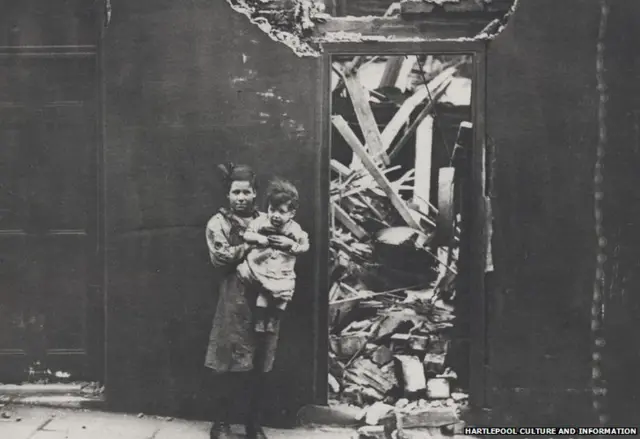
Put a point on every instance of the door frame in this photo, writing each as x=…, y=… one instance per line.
x=474, y=233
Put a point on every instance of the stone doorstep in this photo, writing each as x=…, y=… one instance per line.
x=40, y=389
x=52, y=395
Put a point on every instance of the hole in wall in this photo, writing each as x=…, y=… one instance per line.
x=398, y=331
x=304, y=25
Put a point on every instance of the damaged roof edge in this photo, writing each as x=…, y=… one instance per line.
x=297, y=44
x=497, y=26
x=377, y=29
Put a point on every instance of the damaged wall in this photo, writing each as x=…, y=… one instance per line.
x=621, y=211
x=190, y=85
x=542, y=113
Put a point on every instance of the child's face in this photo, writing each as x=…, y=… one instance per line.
x=280, y=215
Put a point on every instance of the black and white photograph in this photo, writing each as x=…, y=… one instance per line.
x=319, y=219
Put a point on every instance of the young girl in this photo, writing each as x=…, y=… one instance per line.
x=277, y=240
x=238, y=359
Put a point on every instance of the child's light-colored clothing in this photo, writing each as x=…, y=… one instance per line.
x=273, y=268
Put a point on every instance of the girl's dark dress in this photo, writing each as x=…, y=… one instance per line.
x=232, y=343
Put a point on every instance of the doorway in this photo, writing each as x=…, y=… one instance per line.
x=405, y=160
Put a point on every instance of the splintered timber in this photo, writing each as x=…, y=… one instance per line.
x=548, y=431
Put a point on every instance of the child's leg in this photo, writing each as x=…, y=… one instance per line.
x=276, y=310
x=262, y=304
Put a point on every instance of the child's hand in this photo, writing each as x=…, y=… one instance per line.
x=269, y=230
x=263, y=240
x=281, y=242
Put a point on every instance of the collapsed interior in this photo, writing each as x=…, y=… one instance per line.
x=401, y=128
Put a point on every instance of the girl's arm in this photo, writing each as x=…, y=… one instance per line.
x=220, y=251
x=251, y=235
x=255, y=238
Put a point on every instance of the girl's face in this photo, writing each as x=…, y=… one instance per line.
x=241, y=197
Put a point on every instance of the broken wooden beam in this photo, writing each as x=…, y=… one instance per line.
x=404, y=112
x=397, y=70
x=391, y=71
x=445, y=221
x=407, y=65
x=426, y=111
x=402, y=208
x=371, y=208
x=424, y=152
x=339, y=168
x=368, y=125
x=349, y=223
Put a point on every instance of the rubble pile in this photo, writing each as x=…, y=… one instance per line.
x=392, y=274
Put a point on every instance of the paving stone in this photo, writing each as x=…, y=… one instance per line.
x=84, y=425
x=30, y=421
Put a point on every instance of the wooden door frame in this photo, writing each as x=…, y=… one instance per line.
x=475, y=228
x=100, y=359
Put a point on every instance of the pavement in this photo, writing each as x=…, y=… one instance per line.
x=68, y=411
x=25, y=421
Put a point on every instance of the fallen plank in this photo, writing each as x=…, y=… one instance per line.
x=371, y=295
x=350, y=224
x=426, y=111
x=424, y=150
x=391, y=71
x=407, y=65
x=402, y=208
x=368, y=125
x=396, y=72
x=446, y=205
x=404, y=112
x=371, y=207
x=359, y=184
x=340, y=168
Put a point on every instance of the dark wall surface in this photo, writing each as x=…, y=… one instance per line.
x=542, y=107
x=190, y=85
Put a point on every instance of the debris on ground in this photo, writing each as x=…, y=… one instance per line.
x=393, y=252
x=92, y=389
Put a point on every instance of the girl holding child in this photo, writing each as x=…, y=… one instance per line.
x=256, y=254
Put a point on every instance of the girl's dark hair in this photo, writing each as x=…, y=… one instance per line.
x=231, y=173
x=281, y=192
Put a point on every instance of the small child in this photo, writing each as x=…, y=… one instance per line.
x=277, y=239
